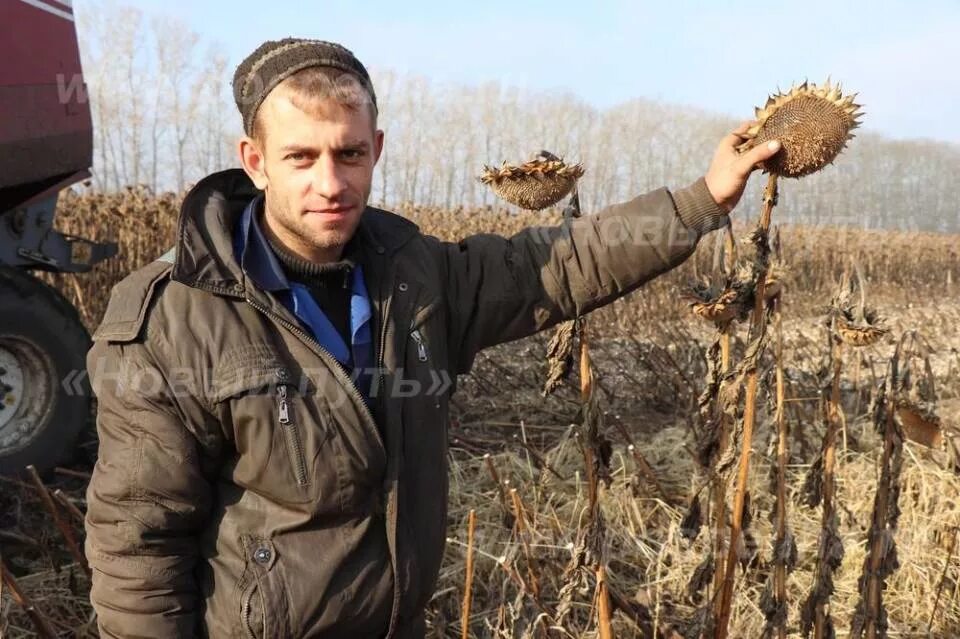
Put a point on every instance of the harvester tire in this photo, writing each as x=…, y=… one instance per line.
x=44, y=392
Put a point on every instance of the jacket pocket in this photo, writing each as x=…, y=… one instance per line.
x=420, y=342
x=278, y=430
x=423, y=353
x=292, y=433
x=425, y=312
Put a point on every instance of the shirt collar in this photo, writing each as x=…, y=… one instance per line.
x=360, y=308
x=256, y=257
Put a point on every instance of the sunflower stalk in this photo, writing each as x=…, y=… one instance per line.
x=870, y=616
x=468, y=577
x=852, y=324
x=505, y=510
x=522, y=532
x=955, y=532
x=784, y=547
x=870, y=619
x=40, y=622
x=757, y=329
x=587, y=555
x=63, y=526
x=719, y=487
x=596, y=452
x=816, y=614
x=560, y=349
x=535, y=185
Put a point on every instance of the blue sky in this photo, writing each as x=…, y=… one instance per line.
x=902, y=57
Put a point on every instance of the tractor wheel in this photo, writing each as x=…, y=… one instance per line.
x=44, y=393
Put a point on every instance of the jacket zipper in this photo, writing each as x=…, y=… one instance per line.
x=365, y=410
x=245, y=613
x=378, y=379
x=337, y=371
x=422, y=354
x=293, y=435
x=245, y=620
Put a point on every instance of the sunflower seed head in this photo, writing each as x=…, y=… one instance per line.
x=533, y=185
x=813, y=124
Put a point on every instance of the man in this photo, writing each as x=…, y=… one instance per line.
x=273, y=396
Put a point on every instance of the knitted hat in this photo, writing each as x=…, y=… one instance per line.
x=276, y=60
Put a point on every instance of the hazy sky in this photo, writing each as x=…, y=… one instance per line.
x=902, y=57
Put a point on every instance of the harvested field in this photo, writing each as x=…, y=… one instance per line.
x=517, y=458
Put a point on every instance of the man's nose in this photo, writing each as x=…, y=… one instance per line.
x=328, y=178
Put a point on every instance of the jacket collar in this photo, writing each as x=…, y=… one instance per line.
x=209, y=215
x=256, y=257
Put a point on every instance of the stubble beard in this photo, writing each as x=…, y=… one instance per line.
x=299, y=236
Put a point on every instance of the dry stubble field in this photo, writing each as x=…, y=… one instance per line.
x=517, y=458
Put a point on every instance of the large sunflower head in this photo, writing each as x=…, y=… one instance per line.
x=533, y=185
x=813, y=124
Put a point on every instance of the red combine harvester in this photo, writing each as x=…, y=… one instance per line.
x=46, y=145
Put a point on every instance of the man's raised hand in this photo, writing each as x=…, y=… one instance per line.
x=728, y=173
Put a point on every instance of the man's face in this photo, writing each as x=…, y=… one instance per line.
x=316, y=170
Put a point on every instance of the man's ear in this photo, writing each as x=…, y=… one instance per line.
x=377, y=145
x=253, y=161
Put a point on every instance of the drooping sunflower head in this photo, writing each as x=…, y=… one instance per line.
x=855, y=323
x=533, y=185
x=813, y=124
x=863, y=333
x=915, y=393
x=717, y=303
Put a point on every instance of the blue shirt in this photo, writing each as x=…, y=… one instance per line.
x=262, y=266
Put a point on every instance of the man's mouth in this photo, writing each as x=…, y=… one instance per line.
x=331, y=211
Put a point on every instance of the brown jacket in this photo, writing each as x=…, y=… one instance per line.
x=243, y=488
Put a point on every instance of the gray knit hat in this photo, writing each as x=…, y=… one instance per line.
x=276, y=60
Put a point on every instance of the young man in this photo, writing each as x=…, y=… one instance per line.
x=273, y=392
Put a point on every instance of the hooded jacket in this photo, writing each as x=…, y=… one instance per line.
x=243, y=487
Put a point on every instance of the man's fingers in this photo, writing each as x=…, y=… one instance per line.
x=735, y=137
x=749, y=160
x=743, y=128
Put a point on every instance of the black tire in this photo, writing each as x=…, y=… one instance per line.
x=42, y=414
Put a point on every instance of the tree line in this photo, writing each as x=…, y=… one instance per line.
x=164, y=117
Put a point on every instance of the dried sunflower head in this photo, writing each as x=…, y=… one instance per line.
x=916, y=397
x=860, y=325
x=813, y=125
x=859, y=334
x=915, y=394
x=533, y=185
x=856, y=323
x=718, y=304
x=921, y=424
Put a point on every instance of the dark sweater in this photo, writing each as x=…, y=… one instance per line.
x=329, y=284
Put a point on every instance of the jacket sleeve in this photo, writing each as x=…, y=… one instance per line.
x=147, y=500
x=501, y=289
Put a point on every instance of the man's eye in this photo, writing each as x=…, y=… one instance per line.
x=352, y=154
x=296, y=156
